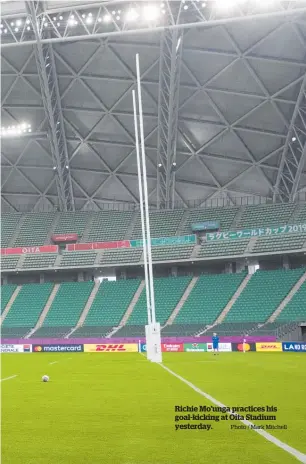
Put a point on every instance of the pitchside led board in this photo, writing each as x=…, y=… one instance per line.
x=111, y=348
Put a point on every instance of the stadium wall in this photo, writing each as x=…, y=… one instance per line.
x=73, y=341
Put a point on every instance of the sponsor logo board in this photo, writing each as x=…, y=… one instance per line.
x=111, y=348
x=191, y=347
x=296, y=347
x=30, y=250
x=73, y=348
x=222, y=347
x=60, y=238
x=247, y=346
x=10, y=348
x=172, y=347
x=143, y=348
x=98, y=245
x=269, y=346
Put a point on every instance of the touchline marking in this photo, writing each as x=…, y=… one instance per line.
x=8, y=378
x=54, y=362
x=297, y=454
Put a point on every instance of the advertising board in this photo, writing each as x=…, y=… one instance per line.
x=246, y=347
x=111, y=347
x=269, y=346
x=172, y=347
x=296, y=347
x=222, y=347
x=11, y=348
x=191, y=347
x=61, y=348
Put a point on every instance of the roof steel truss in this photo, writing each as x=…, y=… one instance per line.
x=52, y=104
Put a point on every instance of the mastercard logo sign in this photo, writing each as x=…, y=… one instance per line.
x=246, y=347
x=38, y=348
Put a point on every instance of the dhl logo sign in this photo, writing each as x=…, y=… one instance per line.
x=269, y=346
x=111, y=347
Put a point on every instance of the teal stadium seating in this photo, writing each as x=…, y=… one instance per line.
x=26, y=309
x=108, y=308
x=66, y=309
x=6, y=294
x=168, y=292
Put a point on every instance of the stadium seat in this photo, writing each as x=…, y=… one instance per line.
x=223, y=248
x=108, y=308
x=6, y=294
x=266, y=215
x=26, y=309
x=278, y=243
x=9, y=224
x=223, y=215
x=66, y=309
x=78, y=258
x=9, y=262
x=121, y=256
x=295, y=310
x=109, y=226
x=74, y=223
x=208, y=298
x=168, y=292
x=262, y=295
x=162, y=223
x=36, y=261
x=35, y=229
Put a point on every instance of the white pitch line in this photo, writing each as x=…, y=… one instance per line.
x=297, y=454
x=8, y=378
x=54, y=362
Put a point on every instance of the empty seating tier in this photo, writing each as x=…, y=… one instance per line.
x=182, y=330
x=35, y=229
x=162, y=223
x=225, y=216
x=295, y=310
x=109, y=306
x=66, y=309
x=26, y=309
x=109, y=226
x=6, y=294
x=237, y=329
x=208, y=298
x=171, y=253
x=223, y=248
x=262, y=295
x=121, y=256
x=168, y=292
x=37, y=261
x=278, y=243
x=9, y=261
x=9, y=224
x=266, y=215
x=74, y=223
x=78, y=258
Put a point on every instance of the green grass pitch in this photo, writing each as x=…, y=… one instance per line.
x=118, y=408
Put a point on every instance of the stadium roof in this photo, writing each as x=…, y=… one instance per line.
x=242, y=88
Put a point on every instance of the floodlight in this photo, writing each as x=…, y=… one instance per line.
x=131, y=15
x=99, y=20
x=16, y=29
x=226, y=4
x=83, y=16
x=46, y=24
x=58, y=24
x=117, y=17
x=113, y=13
x=89, y=14
x=293, y=139
x=150, y=13
x=61, y=18
x=12, y=24
x=28, y=28
x=71, y=22
x=107, y=18
x=88, y=20
x=54, y=19
x=5, y=31
x=28, y=21
x=185, y=7
x=72, y=16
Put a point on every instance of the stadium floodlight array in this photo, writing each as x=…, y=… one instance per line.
x=15, y=130
x=153, y=340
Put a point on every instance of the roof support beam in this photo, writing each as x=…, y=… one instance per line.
x=169, y=84
x=194, y=19
x=294, y=153
x=52, y=105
